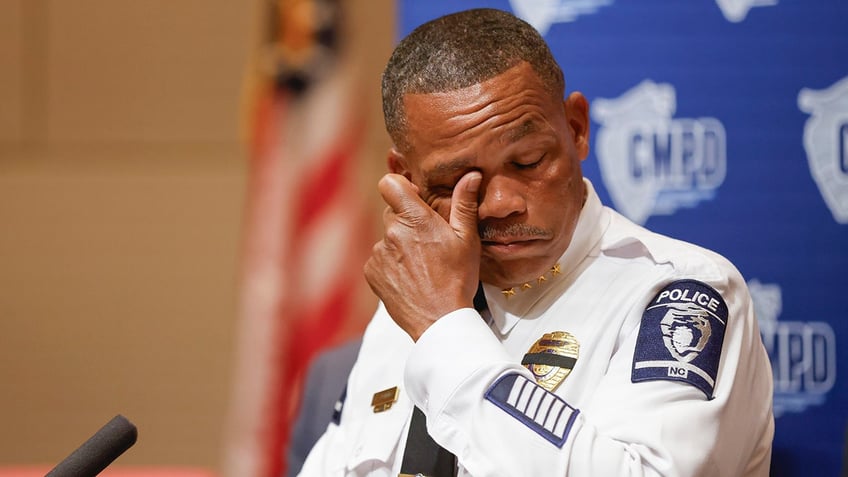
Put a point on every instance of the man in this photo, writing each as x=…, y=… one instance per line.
x=603, y=349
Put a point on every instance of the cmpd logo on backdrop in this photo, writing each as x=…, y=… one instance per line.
x=651, y=162
x=544, y=13
x=736, y=10
x=826, y=143
x=802, y=353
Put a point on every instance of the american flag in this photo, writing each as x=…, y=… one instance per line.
x=307, y=229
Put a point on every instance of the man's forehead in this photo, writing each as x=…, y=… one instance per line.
x=449, y=125
x=419, y=105
x=515, y=79
x=515, y=133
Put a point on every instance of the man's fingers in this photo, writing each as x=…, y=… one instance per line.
x=405, y=205
x=463, y=214
x=402, y=197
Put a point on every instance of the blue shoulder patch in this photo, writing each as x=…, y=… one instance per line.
x=681, y=336
x=535, y=407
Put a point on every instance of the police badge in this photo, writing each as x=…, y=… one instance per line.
x=552, y=358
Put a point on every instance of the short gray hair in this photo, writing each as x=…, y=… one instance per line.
x=460, y=50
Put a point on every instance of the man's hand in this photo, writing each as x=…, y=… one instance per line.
x=425, y=267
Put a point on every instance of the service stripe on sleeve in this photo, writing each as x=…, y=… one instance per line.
x=540, y=410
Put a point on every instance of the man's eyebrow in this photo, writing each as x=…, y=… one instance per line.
x=514, y=134
x=449, y=168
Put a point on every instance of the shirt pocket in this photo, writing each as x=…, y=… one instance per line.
x=375, y=445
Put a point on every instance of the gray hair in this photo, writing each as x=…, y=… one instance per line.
x=460, y=50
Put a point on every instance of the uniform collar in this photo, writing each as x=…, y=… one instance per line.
x=506, y=311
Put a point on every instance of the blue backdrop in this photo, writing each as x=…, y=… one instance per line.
x=725, y=123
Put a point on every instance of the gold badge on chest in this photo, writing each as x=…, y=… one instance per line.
x=552, y=358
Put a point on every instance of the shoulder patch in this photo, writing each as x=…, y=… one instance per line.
x=681, y=336
x=540, y=410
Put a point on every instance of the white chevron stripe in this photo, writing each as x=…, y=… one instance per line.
x=535, y=398
x=562, y=421
x=524, y=397
x=515, y=391
x=544, y=408
x=553, y=415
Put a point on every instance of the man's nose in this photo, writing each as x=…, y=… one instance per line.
x=501, y=198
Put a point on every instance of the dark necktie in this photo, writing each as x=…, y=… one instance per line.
x=422, y=455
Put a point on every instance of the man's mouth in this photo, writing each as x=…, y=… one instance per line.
x=509, y=241
x=510, y=245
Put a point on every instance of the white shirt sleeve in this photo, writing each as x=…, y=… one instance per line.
x=649, y=428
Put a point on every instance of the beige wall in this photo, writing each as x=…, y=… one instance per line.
x=122, y=182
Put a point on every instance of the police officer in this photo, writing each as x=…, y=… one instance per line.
x=602, y=350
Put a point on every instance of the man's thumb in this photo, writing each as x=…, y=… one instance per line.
x=463, y=215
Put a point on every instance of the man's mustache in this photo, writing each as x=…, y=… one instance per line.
x=489, y=232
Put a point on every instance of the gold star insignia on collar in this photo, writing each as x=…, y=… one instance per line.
x=554, y=271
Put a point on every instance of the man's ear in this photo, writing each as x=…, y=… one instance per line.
x=577, y=115
x=396, y=163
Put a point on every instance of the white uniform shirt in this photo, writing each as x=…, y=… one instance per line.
x=620, y=412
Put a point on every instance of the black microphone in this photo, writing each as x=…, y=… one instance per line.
x=99, y=450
